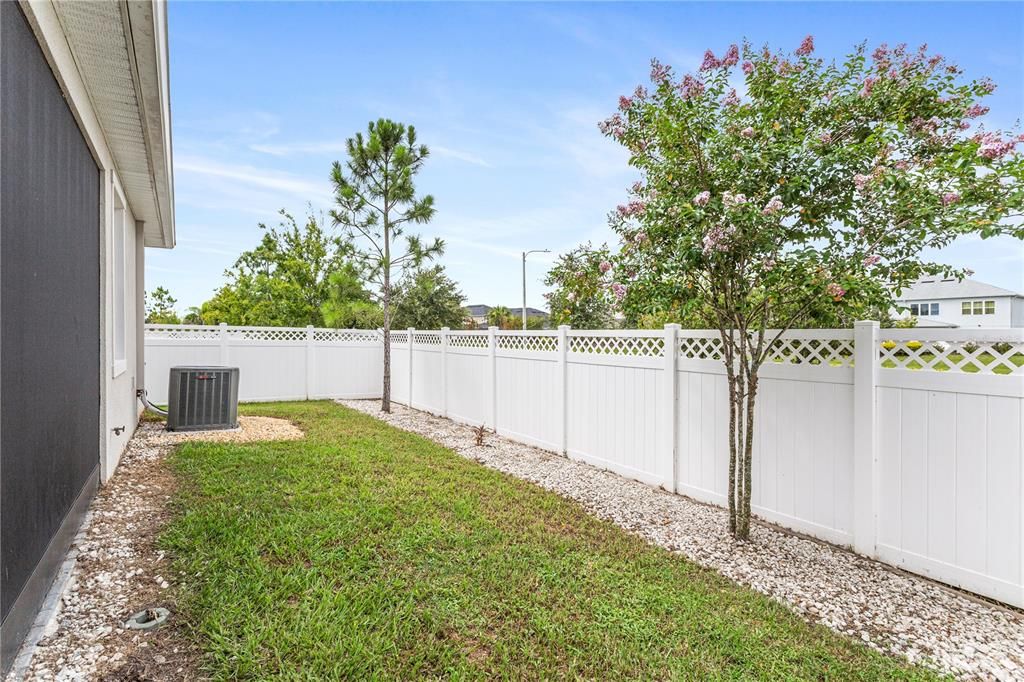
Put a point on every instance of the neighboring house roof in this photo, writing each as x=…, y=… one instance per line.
x=938, y=288
x=120, y=49
x=478, y=310
x=934, y=322
x=481, y=310
x=530, y=312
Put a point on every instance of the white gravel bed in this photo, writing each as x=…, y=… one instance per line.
x=889, y=610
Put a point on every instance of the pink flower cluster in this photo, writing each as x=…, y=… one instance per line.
x=691, y=87
x=950, y=198
x=604, y=267
x=613, y=126
x=640, y=237
x=861, y=181
x=987, y=85
x=731, y=200
x=869, y=84
x=976, y=110
x=871, y=260
x=702, y=199
x=633, y=208
x=710, y=61
x=625, y=103
x=806, y=47
x=715, y=239
x=825, y=137
x=731, y=58
x=732, y=99
x=619, y=290
x=659, y=72
x=773, y=206
x=747, y=132
x=835, y=291
x=992, y=146
x=748, y=67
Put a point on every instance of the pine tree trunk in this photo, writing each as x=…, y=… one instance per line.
x=385, y=402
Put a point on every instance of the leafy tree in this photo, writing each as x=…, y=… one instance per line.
x=350, y=304
x=284, y=281
x=427, y=298
x=193, y=316
x=580, y=297
x=375, y=199
x=500, y=316
x=535, y=322
x=160, y=307
x=808, y=198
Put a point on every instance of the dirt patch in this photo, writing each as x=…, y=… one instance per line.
x=250, y=429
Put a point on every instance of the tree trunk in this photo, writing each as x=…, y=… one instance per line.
x=385, y=401
x=741, y=375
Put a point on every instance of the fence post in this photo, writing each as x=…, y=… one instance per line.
x=492, y=375
x=223, y=329
x=865, y=436
x=444, y=370
x=563, y=388
x=310, y=369
x=670, y=400
x=411, y=330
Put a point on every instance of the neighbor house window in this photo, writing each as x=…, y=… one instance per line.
x=978, y=307
x=924, y=309
x=119, y=268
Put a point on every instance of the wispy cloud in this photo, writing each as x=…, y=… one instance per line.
x=323, y=147
x=257, y=177
x=459, y=155
x=339, y=147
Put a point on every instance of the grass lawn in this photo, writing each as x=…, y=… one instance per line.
x=365, y=551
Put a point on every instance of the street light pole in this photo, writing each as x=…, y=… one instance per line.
x=525, y=253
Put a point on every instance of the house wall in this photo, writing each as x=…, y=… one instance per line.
x=950, y=311
x=50, y=205
x=1017, y=312
x=75, y=396
x=118, y=405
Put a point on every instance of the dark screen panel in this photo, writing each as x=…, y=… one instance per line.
x=49, y=308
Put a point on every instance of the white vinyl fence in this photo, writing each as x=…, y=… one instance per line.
x=905, y=445
x=275, y=363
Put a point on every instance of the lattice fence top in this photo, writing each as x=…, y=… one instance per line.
x=401, y=338
x=972, y=357
x=528, y=343
x=346, y=336
x=183, y=333
x=468, y=340
x=827, y=352
x=636, y=346
x=700, y=348
x=426, y=339
x=268, y=334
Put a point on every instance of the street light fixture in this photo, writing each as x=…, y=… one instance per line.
x=525, y=254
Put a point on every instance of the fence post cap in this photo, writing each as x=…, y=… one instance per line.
x=866, y=323
x=223, y=324
x=492, y=328
x=673, y=325
x=446, y=329
x=566, y=327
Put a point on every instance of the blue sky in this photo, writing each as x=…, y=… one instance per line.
x=507, y=96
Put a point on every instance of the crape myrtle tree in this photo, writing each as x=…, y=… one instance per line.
x=779, y=189
x=375, y=199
